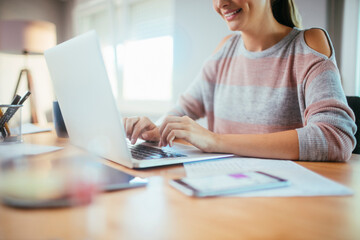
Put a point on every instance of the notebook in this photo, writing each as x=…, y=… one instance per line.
x=89, y=109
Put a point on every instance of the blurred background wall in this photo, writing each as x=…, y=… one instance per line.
x=196, y=32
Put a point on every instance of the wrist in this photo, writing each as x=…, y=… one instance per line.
x=216, y=143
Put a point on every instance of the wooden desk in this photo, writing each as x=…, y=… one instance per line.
x=160, y=212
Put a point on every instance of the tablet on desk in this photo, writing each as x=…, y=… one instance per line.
x=228, y=184
x=115, y=180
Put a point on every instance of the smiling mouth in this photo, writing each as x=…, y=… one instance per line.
x=233, y=13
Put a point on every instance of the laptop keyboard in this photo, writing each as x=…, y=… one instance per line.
x=142, y=152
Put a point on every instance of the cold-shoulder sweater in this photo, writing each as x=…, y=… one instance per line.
x=287, y=86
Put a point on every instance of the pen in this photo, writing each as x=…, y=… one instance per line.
x=4, y=119
x=4, y=130
x=15, y=100
x=23, y=99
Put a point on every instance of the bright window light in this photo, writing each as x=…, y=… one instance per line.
x=147, y=66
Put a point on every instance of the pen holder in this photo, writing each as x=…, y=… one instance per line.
x=10, y=124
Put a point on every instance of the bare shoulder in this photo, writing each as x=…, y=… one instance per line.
x=317, y=39
x=221, y=44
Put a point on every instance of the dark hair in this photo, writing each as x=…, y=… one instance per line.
x=286, y=13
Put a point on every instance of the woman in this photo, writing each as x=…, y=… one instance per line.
x=270, y=91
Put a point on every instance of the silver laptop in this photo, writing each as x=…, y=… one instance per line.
x=91, y=114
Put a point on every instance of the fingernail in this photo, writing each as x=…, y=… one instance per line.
x=133, y=141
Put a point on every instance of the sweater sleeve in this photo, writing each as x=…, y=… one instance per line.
x=197, y=101
x=329, y=127
x=191, y=102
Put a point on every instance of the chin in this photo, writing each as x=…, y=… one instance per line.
x=234, y=28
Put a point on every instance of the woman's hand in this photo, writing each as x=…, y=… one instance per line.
x=186, y=128
x=142, y=127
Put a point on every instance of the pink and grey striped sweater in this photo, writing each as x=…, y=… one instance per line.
x=287, y=86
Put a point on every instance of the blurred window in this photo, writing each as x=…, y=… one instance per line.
x=137, y=45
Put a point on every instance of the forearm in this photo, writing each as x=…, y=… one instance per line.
x=280, y=145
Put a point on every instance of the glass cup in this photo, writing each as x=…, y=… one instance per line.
x=10, y=124
x=45, y=183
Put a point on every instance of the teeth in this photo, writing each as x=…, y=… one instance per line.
x=232, y=13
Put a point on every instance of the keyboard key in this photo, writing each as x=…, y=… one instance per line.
x=142, y=152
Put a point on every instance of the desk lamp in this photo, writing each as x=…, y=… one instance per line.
x=27, y=37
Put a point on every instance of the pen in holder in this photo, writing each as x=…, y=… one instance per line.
x=10, y=123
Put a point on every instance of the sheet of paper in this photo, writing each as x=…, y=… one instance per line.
x=21, y=149
x=303, y=181
x=28, y=128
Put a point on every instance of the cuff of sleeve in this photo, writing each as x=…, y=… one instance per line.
x=313, y=145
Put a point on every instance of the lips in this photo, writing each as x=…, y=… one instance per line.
x=230, y=14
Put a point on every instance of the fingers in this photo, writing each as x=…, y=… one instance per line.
x=129, y=124
x=167, y=120
x=151, y=135
x=176, y=134
x=187, y=129
x=140, y=127
x=144, y=125
x=173, y=127
x=170, y=127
